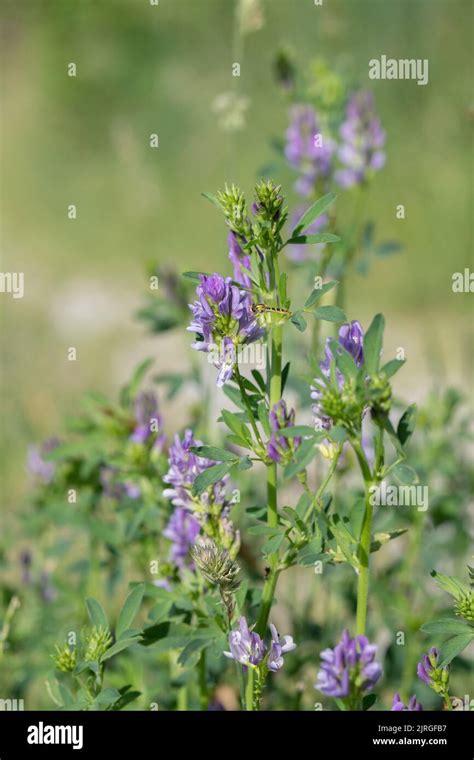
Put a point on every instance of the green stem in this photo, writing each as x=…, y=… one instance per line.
x=365, y=541
x=183, y=699
x=249, y=703
x=272, y=478
x=364, y=555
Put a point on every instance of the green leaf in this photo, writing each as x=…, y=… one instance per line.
x=320, y=237
x=451, y=648
x=368, y=701
x=330, y=314
x=263, y=418
x=215, y=453
x=314, y=211
x=373, y=344
x=318, y=293
x=235, y=424
x=273, y=544
x=131, y=389
x=451, y=585
x=447, y=626
x=192, y=652
x=379, y=539
x=405, y=475
x=245, y=463
x=195, y=276
x=407, y=424
x=263, y=530
x=96, y=613
x=300, y=430
x=212, y=198
x=259, y=380
x=129, y=609
x=303, y=456
x=210, y=476
x=299, y=321
x=119, y=646
x=392, y=367
x=107, y=697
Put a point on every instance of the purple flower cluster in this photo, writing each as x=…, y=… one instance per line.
x=431, y=673
x=412, y=706
x=184, y=467
x=182, y=530
x=248, y=648
x=362, y=141
x=358, y=150
x=280, y=448
x=211, y=505
x=351, y=337
x=307, y=149
x=349, y=668
x=37, y=463
x=148, y=421
x=222, y=320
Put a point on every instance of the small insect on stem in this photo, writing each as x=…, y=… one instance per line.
x=269, y=314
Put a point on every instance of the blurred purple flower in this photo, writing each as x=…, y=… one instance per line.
x=148, y=417
x=348, y=668
x=182, y=530
x=115, y=488
x=279, y=447
x=351, y=337
x=412, y=706
x=362, y=141
x=240, y=260
x=36, y=462
x=275, y=658
x=222, y=320
x=47, y=590
x=307, y=149
x=246, y=646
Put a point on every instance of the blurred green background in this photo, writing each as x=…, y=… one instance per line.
x=145, y=69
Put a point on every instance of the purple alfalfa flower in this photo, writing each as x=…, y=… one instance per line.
x=37, y=463
x=239, y=259
x=349, y=669
x=182, y=530
x=280, y=448
x=307, y=149
x=246, y=646
x=222, y=321
x=148, y=420
x=412, y=706
x=427, y=666
x=278, y=649
x=184, y=467
x=351, y=338
x=363, y=138
x=436, y=676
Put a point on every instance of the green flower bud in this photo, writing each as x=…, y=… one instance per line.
x=464, y=607
x=380, y=394
x=98, y=640
x=65, y=658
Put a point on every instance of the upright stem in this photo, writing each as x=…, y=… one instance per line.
x=365, y=541
x=249, y=702
x=364, y=556
x=272, y=477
